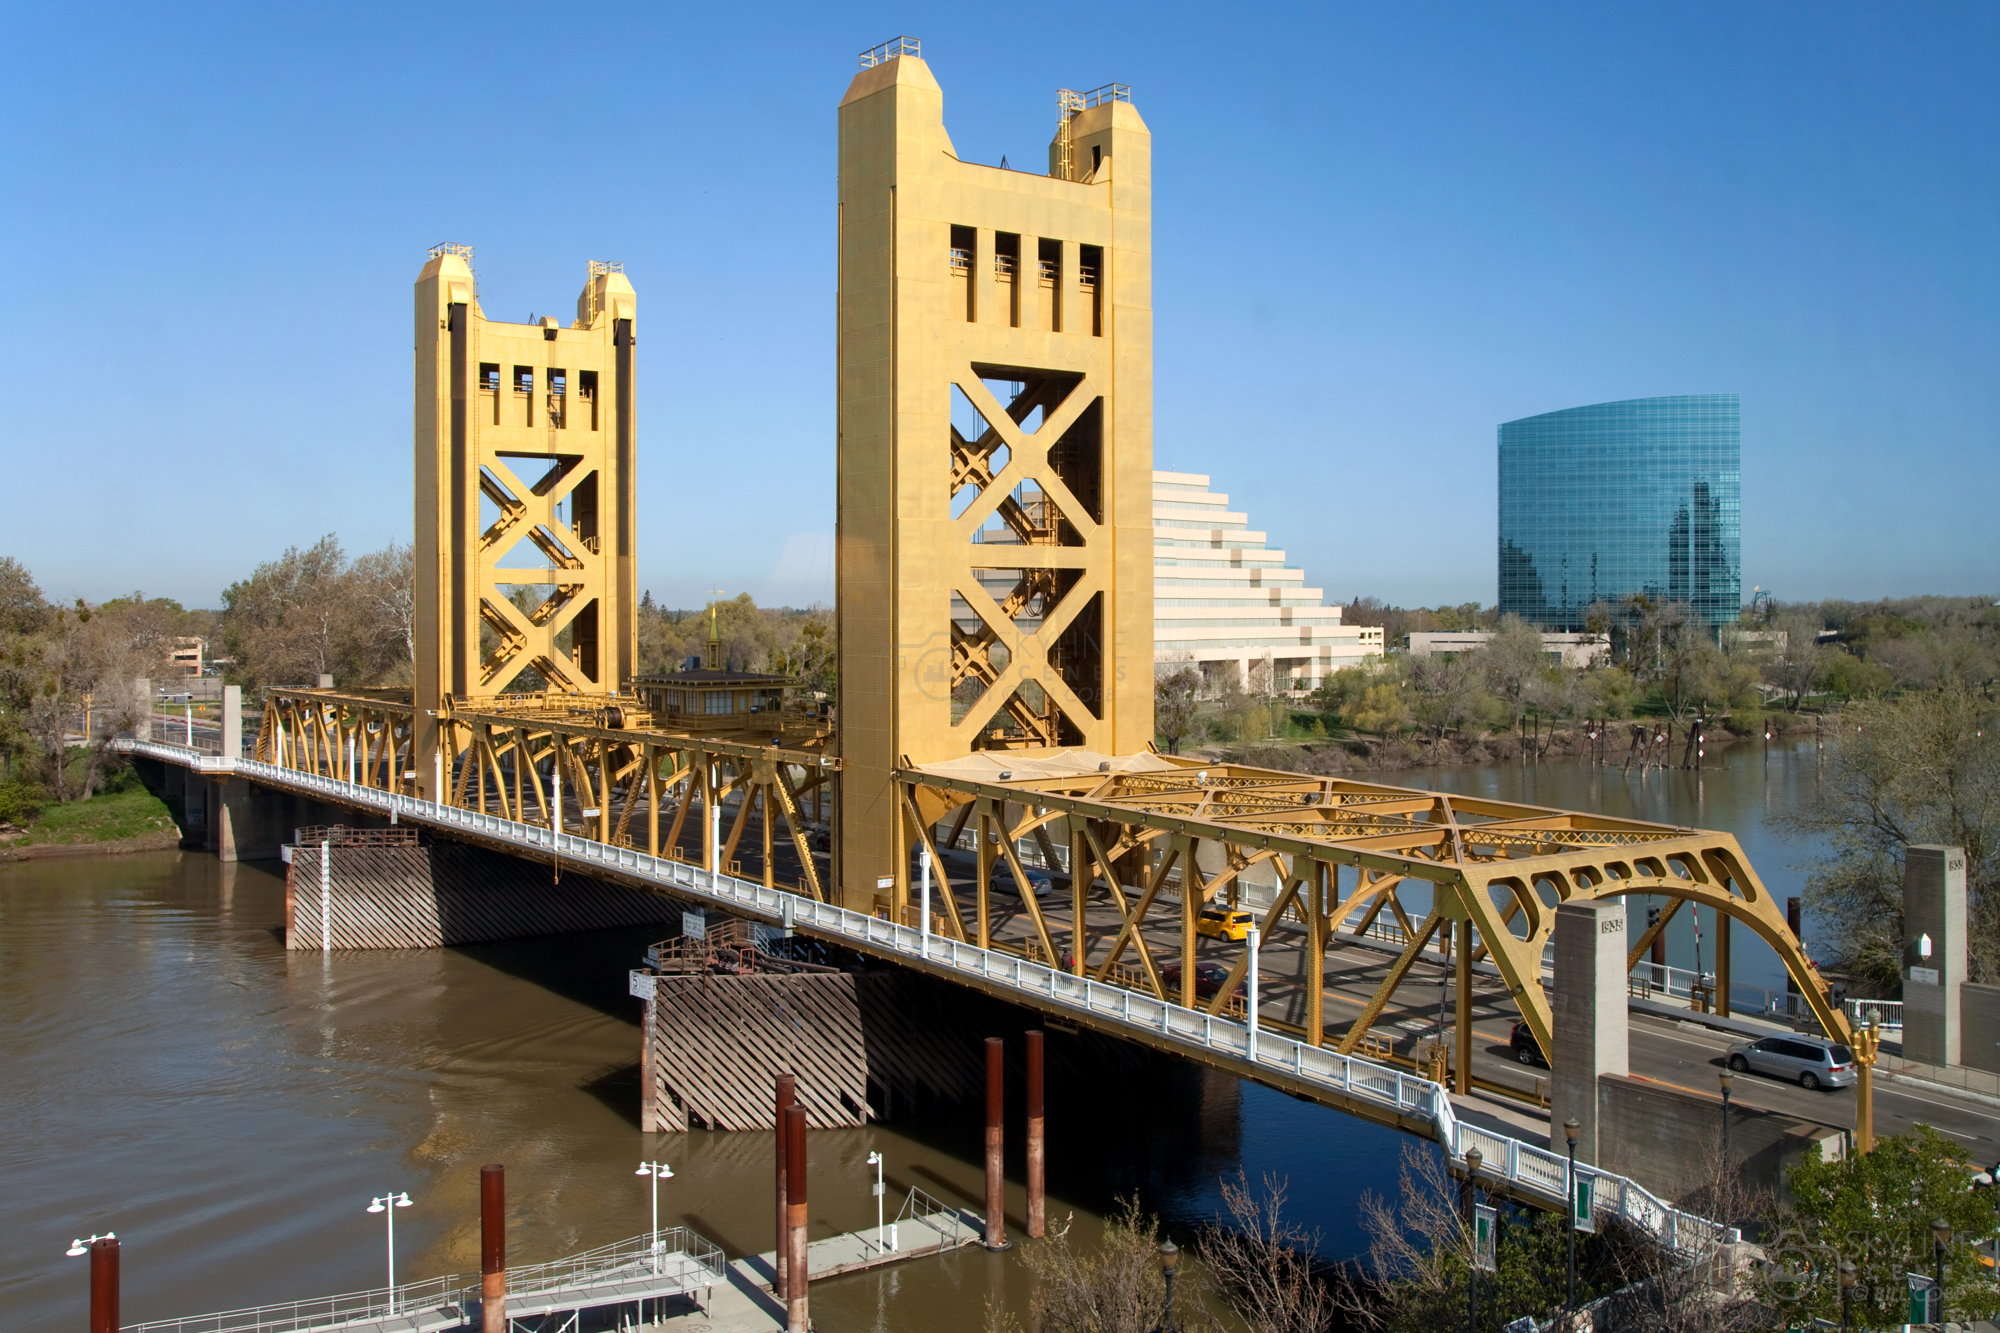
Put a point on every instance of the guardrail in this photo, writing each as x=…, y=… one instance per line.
x=1523, y=1166
x=1888, y=1013
x=675, y=1261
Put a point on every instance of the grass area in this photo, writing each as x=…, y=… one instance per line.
x=108, y=818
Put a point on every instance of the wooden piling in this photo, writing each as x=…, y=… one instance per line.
x=781, y=1259
x=104, y=1285
x=1037, y=1152
x=996, y=1181
x=493, y=1248
x=797, y=1275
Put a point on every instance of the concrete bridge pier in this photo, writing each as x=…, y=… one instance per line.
x=1587, y=1000
x=246, y=822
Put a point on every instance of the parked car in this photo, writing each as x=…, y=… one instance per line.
x=1522, y=1042
x=1224, y=923
x=1809, y=1061
x=1208, y=978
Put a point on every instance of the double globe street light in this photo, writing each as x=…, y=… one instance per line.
x=659, y=1171
x=388, y=1204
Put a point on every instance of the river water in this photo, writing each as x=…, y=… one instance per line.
x=169, y=1072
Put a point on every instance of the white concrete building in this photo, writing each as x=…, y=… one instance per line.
x=1224, y=600
x=1568, y=650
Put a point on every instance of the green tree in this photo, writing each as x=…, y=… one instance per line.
x=1875, y=1210
x=1920, y=768
x=1175, y=696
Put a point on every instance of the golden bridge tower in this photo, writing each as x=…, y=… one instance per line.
x=996, y=445
x=524, y=453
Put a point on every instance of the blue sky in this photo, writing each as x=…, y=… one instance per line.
x=1379, y=231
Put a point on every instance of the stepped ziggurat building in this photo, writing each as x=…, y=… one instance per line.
x=1225, y=602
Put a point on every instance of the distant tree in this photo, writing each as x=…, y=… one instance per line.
x=1444, y=693
x=1175, y=696
x=1922, y=768
x=23, y=609
x=385, y=583
x=1798, y=663
x=1515, y=667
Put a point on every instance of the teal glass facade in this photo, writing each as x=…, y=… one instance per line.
x=1602, y=503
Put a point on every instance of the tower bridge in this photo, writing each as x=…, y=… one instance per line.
x=995, y=662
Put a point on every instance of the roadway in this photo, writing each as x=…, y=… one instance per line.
x=1682, y=1053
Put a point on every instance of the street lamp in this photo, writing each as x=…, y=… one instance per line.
x=659, y=1171
x=78, y=1248
x=875, y=1160
x=387, y=1205
x=1570, y=1130
x=1170, y=1259
x=1472, y=1159
x=1728, y=1077
x=1848, y=1277
x=1940, y=1237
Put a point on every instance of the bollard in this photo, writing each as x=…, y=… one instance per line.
x=781, y=1256
x=104, y=1285
x=493, y=1248
x=1037, y=1149
x=996, y=1181
x=797, y=1276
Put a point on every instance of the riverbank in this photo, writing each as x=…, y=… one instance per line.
x=112, y=824
x=1364, y=754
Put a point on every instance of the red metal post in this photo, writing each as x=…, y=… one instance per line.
x=781, y=1258
x=797, y=1272
x=104, y=1285
x=493, y=1248
x=996, y=1181
x=1036, y=1148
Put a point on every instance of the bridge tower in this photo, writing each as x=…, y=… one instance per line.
x=524, y=497
x=995, y=424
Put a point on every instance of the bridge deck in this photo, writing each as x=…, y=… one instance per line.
x=1366, y=1088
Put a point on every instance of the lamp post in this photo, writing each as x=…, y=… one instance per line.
x=1848, y=1278
x=1170, y=1259
x=387, y=1205
x=1570, y=1129
x=1940, y=1237
x=659, y=1171
x=881, y=1232
x=1728, y=1077
x=1472, y=1160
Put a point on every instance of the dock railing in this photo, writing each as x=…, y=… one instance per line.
x=1520, y=1167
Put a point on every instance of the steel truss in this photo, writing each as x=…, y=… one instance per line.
x=578, y=760
x=1496, y=870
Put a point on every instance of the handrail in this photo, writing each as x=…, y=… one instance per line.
x=678, y=1257
x=1527, y=1168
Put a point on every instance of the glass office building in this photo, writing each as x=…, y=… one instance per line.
x=1601, y=503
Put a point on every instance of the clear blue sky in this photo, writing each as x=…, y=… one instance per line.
x=1380, y=231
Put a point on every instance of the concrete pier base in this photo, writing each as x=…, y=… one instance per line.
x=1591, y=1035
x=1933, y=914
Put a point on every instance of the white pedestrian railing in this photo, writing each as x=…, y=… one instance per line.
x=1349, y=1078
x=1887, y=1013
x=676, y=1262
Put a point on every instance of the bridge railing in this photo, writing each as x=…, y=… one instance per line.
x=1524, y=1167
x=438, y=1295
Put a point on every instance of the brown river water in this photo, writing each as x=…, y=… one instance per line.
x=169, y=1072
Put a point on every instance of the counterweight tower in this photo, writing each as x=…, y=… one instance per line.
x=995, y=440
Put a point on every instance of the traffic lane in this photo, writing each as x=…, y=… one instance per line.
x=1697, y=1056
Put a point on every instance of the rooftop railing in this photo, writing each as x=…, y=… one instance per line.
x=889, y=50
